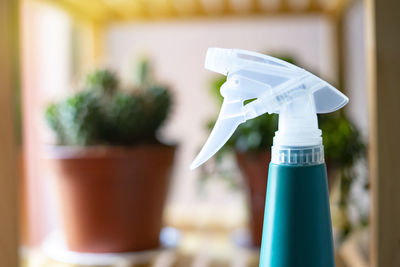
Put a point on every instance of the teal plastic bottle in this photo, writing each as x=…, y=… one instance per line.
x=297, y=224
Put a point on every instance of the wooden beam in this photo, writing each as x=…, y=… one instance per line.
x=109, y=11
x=8, y=151
x=383, y=44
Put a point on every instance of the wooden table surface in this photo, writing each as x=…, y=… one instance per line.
x=197, y=249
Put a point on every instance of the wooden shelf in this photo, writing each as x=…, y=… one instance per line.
x=106, y=11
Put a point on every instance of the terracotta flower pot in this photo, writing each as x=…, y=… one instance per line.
x=254, y=167
x=111, y=198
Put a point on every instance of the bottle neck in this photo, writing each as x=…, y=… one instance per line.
x=297, y=156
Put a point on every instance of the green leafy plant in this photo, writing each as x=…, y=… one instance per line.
x=344, y=147
x=343, y=144
x=102, y=114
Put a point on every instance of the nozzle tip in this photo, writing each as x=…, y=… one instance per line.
x=194, y=165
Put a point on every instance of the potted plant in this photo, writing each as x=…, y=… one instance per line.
x=251, y=144
x=111, y=170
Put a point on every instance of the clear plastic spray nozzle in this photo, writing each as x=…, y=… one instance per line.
x=278, y=87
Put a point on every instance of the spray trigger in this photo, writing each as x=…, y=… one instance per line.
x=278, y=87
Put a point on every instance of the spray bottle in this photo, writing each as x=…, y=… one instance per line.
x=297, y=225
